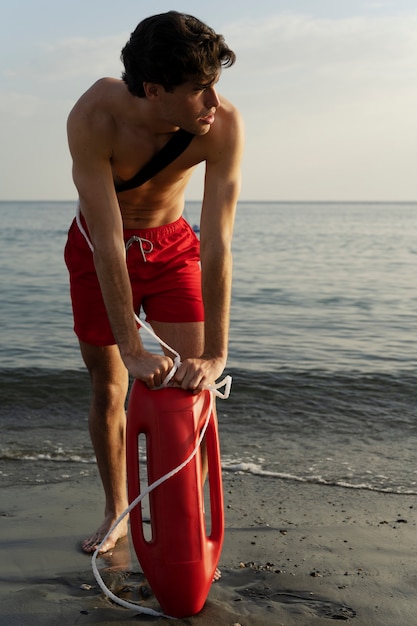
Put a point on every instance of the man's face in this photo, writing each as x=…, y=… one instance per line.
x=191, y=106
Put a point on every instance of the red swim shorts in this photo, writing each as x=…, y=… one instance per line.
x=164, y=269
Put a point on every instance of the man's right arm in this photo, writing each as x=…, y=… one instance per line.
x=89, y=136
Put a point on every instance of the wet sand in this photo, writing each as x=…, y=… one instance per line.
x=294, y=555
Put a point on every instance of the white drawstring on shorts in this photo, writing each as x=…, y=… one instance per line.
x=140, y=241
x=81, y=227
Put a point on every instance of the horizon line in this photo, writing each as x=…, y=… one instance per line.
x=242, y=201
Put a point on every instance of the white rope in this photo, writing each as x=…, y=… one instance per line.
x=226, y=382
x=214, y=391
x=132, y=505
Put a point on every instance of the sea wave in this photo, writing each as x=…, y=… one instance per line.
x=258, y=470
x=45, y=457
x=335, y=429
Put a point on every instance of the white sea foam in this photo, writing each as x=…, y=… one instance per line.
x=257, y=470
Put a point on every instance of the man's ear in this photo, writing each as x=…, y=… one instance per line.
x=151, y=90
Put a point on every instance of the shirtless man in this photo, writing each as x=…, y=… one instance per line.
x=132, y=248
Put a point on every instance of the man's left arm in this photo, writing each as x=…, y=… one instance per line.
x=221, y=192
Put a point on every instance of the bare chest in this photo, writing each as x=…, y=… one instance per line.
x=136, y=158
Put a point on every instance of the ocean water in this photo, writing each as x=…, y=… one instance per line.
x=323, y=347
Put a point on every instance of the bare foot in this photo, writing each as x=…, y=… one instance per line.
x=217, y=575
x=91, y=544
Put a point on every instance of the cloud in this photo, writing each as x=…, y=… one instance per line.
x=329, y=105
x=286, y=47
x=65, y=62
x=299, y=65
x=76, y=57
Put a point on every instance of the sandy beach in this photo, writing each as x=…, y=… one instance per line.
x=294, y=555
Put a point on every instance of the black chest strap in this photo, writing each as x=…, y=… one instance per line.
x=175, y=146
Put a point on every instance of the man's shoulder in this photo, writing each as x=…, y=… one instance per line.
x=97, y=106
x=227, y=131
x=102, y=95
x=229, y=121
x=229, y=111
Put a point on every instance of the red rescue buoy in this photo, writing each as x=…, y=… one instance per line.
x=180, y=557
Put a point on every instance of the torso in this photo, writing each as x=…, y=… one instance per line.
x=159, y=200
x=112, y=112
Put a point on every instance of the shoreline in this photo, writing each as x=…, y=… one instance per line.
x=294, y=555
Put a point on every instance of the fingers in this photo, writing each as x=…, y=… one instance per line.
x=153, y=380
x=197, y=374
x=157, y=372
x=189, y=377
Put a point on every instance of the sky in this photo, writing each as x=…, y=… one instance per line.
x=327, y=90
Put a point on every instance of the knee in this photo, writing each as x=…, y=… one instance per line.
x=109, y=397
x=109, y=377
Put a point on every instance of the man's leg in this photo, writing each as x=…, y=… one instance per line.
x=107, y=424
x=186, y=338
x=107, y=420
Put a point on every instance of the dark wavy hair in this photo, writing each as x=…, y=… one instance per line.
x=171, y=48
